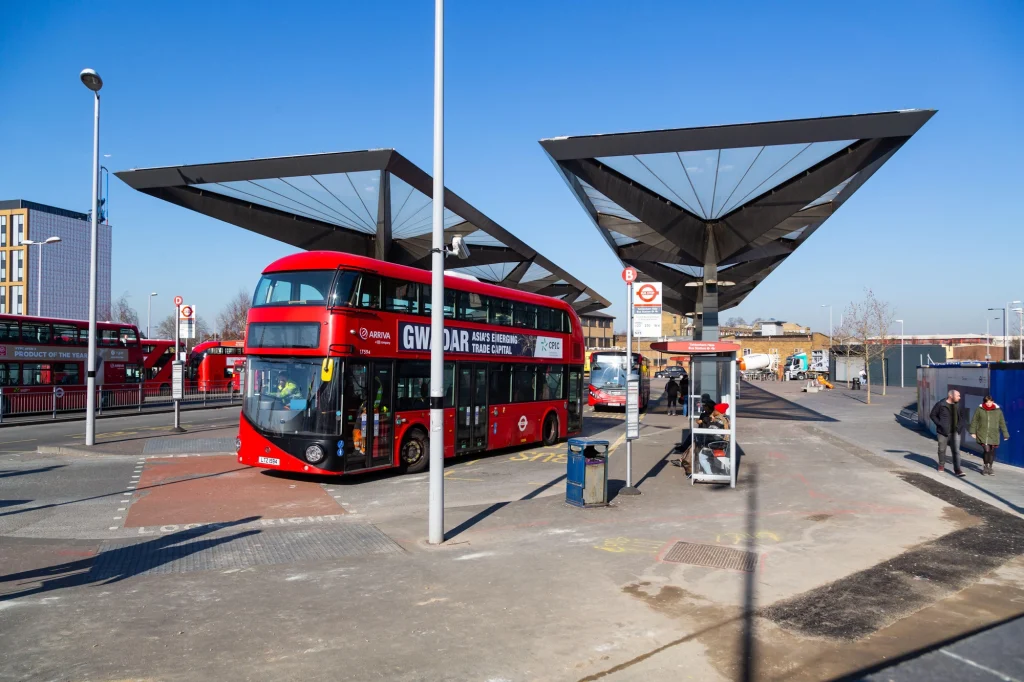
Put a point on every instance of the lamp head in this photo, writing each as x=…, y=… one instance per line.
x=91, y=79
x=52, y=240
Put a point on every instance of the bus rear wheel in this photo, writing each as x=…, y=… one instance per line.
x=415, y=453
x=550, y=430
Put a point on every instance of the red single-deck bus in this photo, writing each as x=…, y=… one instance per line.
x=608, y=379
x=157, y=360
x=211, y=365
x=337, y=373
x=45, y=359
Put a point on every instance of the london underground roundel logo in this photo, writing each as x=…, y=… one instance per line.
x=363, y=334
x=647, y=293
x=522, y=423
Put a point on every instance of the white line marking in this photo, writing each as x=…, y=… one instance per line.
x=117, y=518
x=475, y=555
x=1005, y=678
x=121, y=508
x=113, y=528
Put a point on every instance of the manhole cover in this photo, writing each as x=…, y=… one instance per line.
x=711, y=556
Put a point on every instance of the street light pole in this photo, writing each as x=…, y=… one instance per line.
x=902, y=342
x=435, y=520
x=149, y=317
x=824, y=305
x=988, y=336
x=39, y=275
x=92, y=80
x=1006, y=329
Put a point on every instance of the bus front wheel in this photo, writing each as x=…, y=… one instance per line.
x=551, y=430
x=415, y=454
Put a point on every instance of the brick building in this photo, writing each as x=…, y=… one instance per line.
x=598, y=330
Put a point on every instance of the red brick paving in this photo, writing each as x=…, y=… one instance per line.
x=217, y=489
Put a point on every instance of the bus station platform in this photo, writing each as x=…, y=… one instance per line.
x=830, y=556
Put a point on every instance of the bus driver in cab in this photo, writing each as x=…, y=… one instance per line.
x=286, y=388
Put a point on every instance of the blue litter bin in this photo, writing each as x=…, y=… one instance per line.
x=586, y=473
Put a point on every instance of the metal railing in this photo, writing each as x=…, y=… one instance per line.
x=18, y=401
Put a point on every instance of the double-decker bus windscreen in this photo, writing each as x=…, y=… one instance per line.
x=293, y=397
x=608, y=371
x=306, y=287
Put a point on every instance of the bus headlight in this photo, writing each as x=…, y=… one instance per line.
x=314, y=453
x=238, y=444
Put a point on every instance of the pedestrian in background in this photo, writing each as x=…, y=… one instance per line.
x=950, y=418
x=672, y=393
x=684, y=393
x=986, y=424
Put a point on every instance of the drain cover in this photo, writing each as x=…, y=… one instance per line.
x=711, y=556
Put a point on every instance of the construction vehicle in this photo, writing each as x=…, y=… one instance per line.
x=800, y=366
x=759, y=365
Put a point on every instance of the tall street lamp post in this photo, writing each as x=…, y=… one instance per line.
x=988, y=335
x=39, y=275
x=92, y=80
x=825, y=305
x=902, y=342
x=1006, y=331
x=149, y=316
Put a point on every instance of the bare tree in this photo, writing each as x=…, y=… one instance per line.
x=122, y=311
x=843, y=346
x=165, y=329
x=231, y=320
x=861, y=323
x=883, y=315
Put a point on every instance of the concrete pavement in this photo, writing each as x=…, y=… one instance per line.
x=232, y=574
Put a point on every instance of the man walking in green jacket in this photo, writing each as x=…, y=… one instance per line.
x=986, y=424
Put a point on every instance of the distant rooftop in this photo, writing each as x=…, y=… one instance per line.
x=598, y=314
x=22, y=203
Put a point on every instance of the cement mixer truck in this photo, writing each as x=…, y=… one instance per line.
x=800, y=366
x=759, y=365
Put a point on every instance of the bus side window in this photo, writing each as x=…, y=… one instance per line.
x=9, y=332
x=449, y=384
x=369, y=292
x=499, y=384
x=8, y=374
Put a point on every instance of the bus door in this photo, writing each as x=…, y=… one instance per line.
x=471, y=408
x=575, y=400
x=368, y=412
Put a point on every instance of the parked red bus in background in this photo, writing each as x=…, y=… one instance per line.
x=39, y=355
x=337, y=369
x=211, y=365
x=157, y=359
x=607, y=382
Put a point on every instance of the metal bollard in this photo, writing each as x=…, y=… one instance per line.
x=99, y=400
x=54, y=402
x=1, y=404
x=140, y=396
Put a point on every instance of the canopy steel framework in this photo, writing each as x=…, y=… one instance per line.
x=372, y=203
x=712, y=211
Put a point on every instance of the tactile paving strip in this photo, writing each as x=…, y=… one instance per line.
x=198, y=550
x=173, y=446
x=711, y=556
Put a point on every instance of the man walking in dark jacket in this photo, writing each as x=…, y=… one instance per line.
x=950, y=418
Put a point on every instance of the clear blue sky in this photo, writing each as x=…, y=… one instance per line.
x=937, y=232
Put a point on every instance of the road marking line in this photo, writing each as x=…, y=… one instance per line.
x=121, y=508
x=113, y=528
x=117, y=518
x=1002, y=676
x=27, y=440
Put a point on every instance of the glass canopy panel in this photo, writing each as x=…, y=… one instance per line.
x=495, y=272
x=701, y=170
x=775, y=165
x=691, y=270
x=603, y=204
x=480, y=238
x=249, y=193
x=354, y=194
x=732, y=168
x=832, y=193
x=534, y=272
x=621, y=239
x=660, y=173
x=412, y=212
x=795, y=234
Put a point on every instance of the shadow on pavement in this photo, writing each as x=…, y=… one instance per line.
x=966, y=464
x=477, y=518
x=123, y=562
x=757, y=403
x=748, y=643
x=8, y=473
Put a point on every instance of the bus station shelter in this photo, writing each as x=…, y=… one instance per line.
x=712, y=211
x=713, y=451
x=373, y=203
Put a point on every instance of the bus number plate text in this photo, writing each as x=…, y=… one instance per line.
x=274, y=461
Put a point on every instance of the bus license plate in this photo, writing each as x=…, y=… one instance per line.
x=270, y=460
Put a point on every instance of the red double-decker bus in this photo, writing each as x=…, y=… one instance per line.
x=337, y=375
x=211, y=365
x=608, y=375
x=43, y=360
x=157, y=360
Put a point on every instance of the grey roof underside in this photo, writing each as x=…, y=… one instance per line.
x=373, y=203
